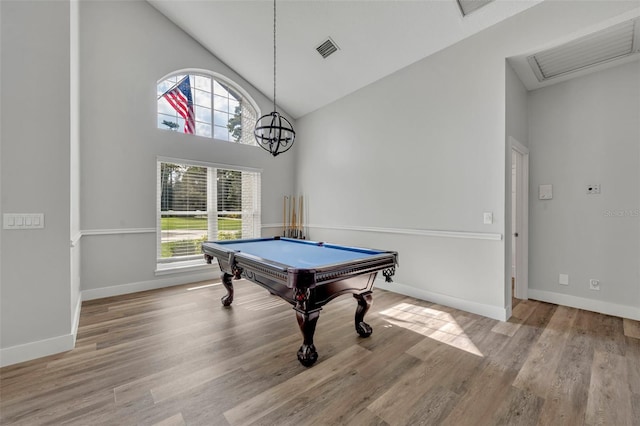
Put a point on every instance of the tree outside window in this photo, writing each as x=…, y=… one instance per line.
x=197, y=202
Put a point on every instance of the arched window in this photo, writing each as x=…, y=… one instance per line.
x=205, y=105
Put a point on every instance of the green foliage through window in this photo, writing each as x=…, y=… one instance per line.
x=200, y=203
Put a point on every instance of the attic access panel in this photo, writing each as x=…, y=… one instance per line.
x=612, y=43
x=468, y=6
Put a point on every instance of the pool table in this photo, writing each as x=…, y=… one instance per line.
x=306, y=274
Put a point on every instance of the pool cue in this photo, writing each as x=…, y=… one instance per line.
x=288, y=216
x=300, y=222
x=286, y=229
x=293, y=218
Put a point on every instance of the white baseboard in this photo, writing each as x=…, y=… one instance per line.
x=493, y=312
x=117, y=290
x=76, y=319
x=608, y=308
x=32, y=350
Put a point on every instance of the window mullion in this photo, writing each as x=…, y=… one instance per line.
x=213, y=128
x=212, y=204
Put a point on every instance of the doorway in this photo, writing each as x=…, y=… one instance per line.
x=519, y=219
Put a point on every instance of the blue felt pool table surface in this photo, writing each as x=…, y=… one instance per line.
x=299, y=253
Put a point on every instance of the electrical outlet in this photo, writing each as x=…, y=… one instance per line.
x=594, y=285
x=563, y=279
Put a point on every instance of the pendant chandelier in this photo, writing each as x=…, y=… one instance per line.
x=273, y=132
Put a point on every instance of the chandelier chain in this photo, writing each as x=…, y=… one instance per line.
x=274, y=55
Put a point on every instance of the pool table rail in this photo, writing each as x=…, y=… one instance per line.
x=234, y=261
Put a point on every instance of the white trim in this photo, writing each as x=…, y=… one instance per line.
x=494, y=312
x=522, y=251
x=75, y=239
x=76, y=319
x=398, y=231
x=41, y=348
x=161, y=159
x=88, y=232
x=186, y=266
x=508, y=312
x=607, y=308
x=117, y=290
x=272, y=225
x=415, y=232
x=404, y=231
x=38, y=349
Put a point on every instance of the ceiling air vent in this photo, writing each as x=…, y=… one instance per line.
x=468, y=6
x=612, y=43
x=327, y=48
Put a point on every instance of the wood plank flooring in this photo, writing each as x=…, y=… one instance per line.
x=175, y=356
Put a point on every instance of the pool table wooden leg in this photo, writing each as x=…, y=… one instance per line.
x=226, y=282
x=307, y=354
x=364, y=303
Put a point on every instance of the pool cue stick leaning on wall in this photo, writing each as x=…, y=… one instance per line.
x=284, y=216
x=293, y=217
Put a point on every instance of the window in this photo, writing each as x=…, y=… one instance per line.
x=201, y=202
x=205, y=106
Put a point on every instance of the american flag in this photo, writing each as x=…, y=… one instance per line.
x=179, y=97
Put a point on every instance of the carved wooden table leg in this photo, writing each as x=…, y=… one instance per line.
x=226, y=282
x=364, y=303
x=307, y=321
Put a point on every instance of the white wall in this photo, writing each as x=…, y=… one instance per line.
x=424, y=150
x=35, y=132
x=582, y=132
x=516, y=110
x=125, y=47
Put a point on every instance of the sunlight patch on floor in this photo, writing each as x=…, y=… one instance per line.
x=432, y=323
x=203, y=286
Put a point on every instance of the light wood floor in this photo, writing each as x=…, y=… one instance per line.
x=176, y=356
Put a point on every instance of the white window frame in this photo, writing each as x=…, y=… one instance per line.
x=250, y=220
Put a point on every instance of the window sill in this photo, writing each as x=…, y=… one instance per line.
x=186, y=266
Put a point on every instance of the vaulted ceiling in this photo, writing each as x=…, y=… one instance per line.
x=375, y=39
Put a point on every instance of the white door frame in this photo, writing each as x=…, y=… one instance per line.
x=522, y=219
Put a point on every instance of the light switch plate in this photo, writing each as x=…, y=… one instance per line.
x=545, y=192
x=23, y=221
x=488, y=218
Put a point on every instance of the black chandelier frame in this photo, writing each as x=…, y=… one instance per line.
x=273, y=132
